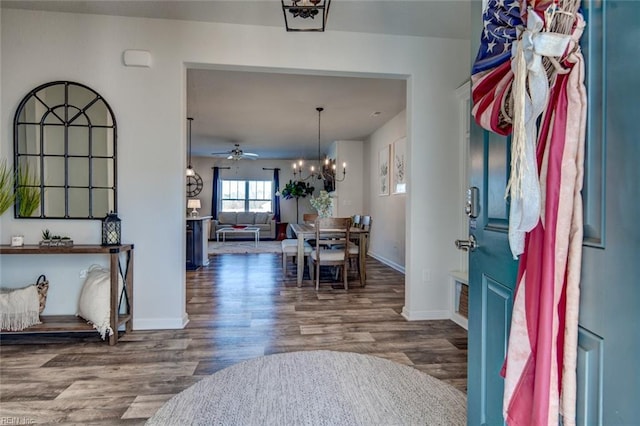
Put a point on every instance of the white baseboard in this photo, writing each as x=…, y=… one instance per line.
x=424, y=315
x=160, y=323
x=389, y=263
x=460, y=320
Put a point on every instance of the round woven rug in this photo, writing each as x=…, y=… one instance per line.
x=316, y=388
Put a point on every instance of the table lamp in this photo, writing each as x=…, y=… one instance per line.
x=193, y=204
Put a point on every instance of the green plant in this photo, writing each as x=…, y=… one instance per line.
x=297, y=190
x=27, y=191
x=7, y=194
x=46, y=235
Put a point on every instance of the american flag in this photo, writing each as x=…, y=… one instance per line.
x=499, y=22
x=540, y=369
x=491, y=73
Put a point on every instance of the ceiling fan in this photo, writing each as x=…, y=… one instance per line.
x=237, y=154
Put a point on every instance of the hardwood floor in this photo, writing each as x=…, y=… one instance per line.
x=239, y=308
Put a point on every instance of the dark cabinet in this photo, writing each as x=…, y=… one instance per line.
x=197, y=240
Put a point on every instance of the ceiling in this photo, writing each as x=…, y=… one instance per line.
x=274, y=115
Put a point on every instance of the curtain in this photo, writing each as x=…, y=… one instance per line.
x=276, y=204
x=214, y=194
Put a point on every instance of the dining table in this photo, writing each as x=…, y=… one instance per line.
x=304, y=231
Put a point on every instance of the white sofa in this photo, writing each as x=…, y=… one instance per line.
x=264, y=221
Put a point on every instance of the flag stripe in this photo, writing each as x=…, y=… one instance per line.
x=535, y=398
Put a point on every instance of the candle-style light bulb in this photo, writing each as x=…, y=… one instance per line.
x=333, y=167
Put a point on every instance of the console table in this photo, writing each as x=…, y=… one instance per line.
x=71, y=323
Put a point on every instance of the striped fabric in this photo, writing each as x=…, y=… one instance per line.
x=539, y=372
x=540, y=377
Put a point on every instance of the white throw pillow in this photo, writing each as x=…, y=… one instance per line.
x=227, y=218
x=95, y=299
x=246, y=218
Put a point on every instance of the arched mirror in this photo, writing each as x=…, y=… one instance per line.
x=64, y=137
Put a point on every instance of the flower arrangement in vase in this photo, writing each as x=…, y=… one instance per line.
x=323, y=203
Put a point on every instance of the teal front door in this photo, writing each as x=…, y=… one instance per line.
x=492, y=277
x=492, y=270
x=609, y=327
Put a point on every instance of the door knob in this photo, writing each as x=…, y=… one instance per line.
x=467, y=245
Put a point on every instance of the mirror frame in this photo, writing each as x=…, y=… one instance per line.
x=73, y=111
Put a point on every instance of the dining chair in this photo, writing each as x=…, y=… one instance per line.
x=309, y=218
x=366, y=222
x=333, y=231
x=366, y=225
x=290, y=249
x=354, y=246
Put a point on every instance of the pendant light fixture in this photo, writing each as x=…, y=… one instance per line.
x=324, y=170
x=305, y=15
x=190, y=171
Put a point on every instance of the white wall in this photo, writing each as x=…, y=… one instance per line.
x=388, y=238
x=433, y=187
x=349, y=194
x=149, y=105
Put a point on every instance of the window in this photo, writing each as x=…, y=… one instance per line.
x=246, y=196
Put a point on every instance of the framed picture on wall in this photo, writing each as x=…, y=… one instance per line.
x=383, y=171
x=399, y=166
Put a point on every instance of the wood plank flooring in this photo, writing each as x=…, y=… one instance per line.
x=239, y=308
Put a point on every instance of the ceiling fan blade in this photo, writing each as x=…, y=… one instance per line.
x=236, y=154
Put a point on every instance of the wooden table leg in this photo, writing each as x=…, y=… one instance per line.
x=362, y=258
x=114, y=295
x=300, y=260
x=128, y=282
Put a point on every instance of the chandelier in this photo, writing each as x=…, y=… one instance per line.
x=323, y=170
x=305, y=15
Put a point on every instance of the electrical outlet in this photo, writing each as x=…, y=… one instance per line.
x=83, y=273
x=426, y=275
